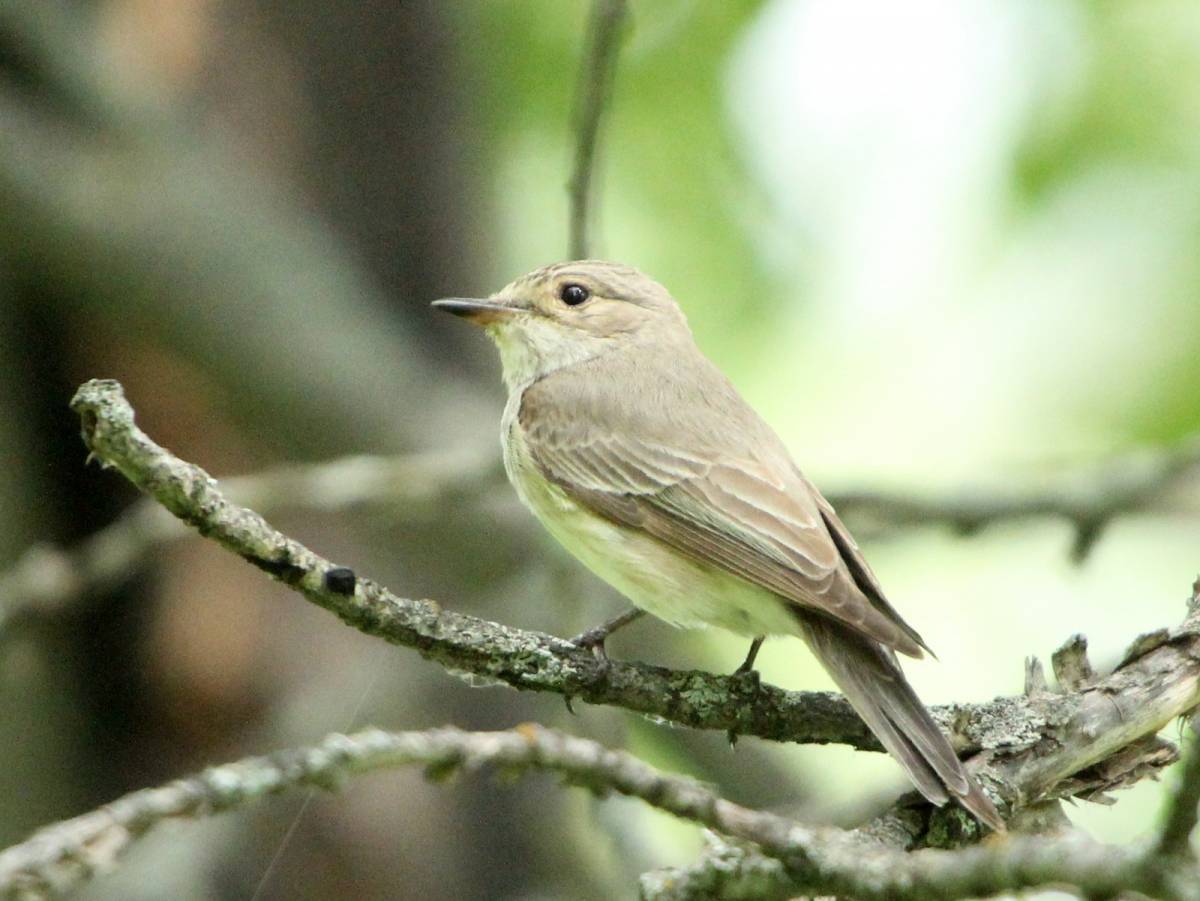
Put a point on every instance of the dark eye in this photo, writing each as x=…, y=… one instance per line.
x=573, y=295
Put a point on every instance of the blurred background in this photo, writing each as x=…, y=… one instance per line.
x=936, y=245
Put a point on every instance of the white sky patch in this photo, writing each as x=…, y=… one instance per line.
x=885, y=137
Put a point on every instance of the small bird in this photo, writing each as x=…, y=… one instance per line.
x=640, y=457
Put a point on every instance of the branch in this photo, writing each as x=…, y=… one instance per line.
x=60, y=856
x=47, y=578
x=858, y=870
x=822, y=859
x=1092, y=737
x=521, y=659
x=1089, y=501
x=1084, y=742
x=595, y=89
x=1181, y=815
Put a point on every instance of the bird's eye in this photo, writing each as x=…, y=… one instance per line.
x=573, y=295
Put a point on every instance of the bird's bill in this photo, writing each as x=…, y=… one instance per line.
x=474, y=310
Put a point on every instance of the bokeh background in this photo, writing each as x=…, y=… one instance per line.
x=936, y=244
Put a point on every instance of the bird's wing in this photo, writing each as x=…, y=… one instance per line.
x=765, y=527
x=864, y=577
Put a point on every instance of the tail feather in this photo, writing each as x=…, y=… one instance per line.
x=875, y=686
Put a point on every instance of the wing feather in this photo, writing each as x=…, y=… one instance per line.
x=765, y=527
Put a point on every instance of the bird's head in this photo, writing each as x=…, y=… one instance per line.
x=566, y=313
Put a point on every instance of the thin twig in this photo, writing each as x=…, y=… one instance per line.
x=1103, y=718
x=1088, y=500
x=595, y=90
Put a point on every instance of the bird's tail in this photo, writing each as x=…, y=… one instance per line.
x=875, y=686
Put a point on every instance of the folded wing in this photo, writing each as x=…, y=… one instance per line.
x=768, y=527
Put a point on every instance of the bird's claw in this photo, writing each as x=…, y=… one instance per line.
x=752, y=682
x=593, y=640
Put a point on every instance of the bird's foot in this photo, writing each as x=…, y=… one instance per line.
x=594, y=638
x=748, y=674
x=747, y=665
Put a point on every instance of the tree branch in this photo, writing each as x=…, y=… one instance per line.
x=1094, y=736
x=1102, y=722
x=60, y=856
x=1088, y=500
x=521, y=659
x=860, y=871
x=820, y=859
x=1180, y=820
x=47, y=578
x=595, y=89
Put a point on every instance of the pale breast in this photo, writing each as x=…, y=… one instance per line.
x=651, y=575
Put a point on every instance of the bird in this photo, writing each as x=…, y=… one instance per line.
x=641, y=458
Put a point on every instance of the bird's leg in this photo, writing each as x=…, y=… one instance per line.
x=595, y=638
x=751, y=655
x=747, y=669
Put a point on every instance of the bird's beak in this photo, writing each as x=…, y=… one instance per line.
x=478, y=312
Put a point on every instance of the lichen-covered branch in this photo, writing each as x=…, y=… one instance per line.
x=595, y=88
x=59, y=856
x=1093, y=870
x=522, y=659
x=817, y=859
x=1096, y=735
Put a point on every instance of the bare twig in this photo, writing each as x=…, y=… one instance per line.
x=595, y=89
x=1071, y=860
x=1092, y=869
x=1089, y=501
x=46, y=577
